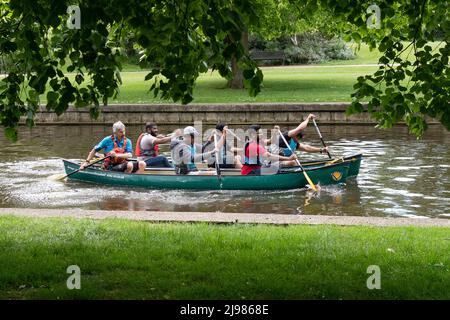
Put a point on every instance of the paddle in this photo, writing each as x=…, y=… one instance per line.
x=234, y=135
x=298, y=162
x=217, y=158
x=321, y=138
x=68, y=175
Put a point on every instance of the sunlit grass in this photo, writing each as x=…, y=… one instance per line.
x=122, y=259
x=281, y=84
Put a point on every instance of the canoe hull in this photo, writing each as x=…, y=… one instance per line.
x=322, y=175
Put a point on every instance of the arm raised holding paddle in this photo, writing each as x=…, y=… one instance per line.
x=302, y=126
x=292, y=140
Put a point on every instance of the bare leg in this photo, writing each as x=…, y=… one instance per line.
x=237, y=162
x=290, y=163
x=142, y=166
x=129, y=167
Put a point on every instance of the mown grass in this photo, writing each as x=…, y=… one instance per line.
x=122, y=259
x=281, y=84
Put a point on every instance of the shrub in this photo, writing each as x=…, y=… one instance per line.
x=304, y=48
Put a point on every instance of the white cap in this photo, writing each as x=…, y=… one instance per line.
x=190, y=130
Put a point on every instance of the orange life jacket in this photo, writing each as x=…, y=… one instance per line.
x=140, y=153
x=115, y=160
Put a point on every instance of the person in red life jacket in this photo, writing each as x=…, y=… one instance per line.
x=119, y=147
x=147, y=147
x=293, y=138
x=254, y=153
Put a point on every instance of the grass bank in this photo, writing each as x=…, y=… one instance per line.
x=134, y=260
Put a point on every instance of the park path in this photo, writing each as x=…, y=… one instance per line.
x=330, y=66
x=218, y=217
x=303, y=66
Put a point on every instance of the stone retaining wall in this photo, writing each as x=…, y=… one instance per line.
x=233, y=114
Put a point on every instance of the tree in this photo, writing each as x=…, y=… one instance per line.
x=402, y=89
x=277, y=18
x=181, y=39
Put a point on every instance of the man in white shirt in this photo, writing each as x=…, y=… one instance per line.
x=147, y=147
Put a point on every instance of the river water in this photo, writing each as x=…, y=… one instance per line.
x=400, y=176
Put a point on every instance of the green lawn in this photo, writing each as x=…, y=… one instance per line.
x=134, y=260
x=281, y=84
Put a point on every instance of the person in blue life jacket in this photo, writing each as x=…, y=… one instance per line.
x=293, y=138
x=227, y=157
x=119, y=149
x=186, y=152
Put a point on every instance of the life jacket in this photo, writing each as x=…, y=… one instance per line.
x=251, y=161
x=115, y=160
x=223, y=152
x=284, y=150
x=153, y=152
x=191, y=165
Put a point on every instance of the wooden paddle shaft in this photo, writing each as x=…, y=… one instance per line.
x=321, y=138
x=217, y=156
x=234, y=135
x=299, y=164
x=91, y=164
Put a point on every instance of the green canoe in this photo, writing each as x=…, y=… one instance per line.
x=319, y=174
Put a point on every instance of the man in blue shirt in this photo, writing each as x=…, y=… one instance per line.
x=119, y=148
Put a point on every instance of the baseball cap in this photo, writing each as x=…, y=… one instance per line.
x=190, y=130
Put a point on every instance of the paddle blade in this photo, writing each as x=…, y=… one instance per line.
x=313, y=186
x=57, y=177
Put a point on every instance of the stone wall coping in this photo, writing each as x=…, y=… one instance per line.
x=241, y=107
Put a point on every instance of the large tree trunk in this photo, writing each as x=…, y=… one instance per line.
x=238, y=77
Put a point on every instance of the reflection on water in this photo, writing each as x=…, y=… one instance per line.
x=399, y=176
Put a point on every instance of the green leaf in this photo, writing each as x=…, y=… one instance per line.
x=52, y=96
x=248, y=74
x=79, y=78
x=356, y=36
x=383, y=60
x=11, y=133
x=94, y=112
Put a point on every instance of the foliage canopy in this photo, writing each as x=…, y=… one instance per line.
x=181, y=39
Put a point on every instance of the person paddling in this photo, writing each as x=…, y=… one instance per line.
x=119, y=148
x=254, y=151
x=185, y=153
x=293, y=138
x=227, y=159
x=147, y=147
